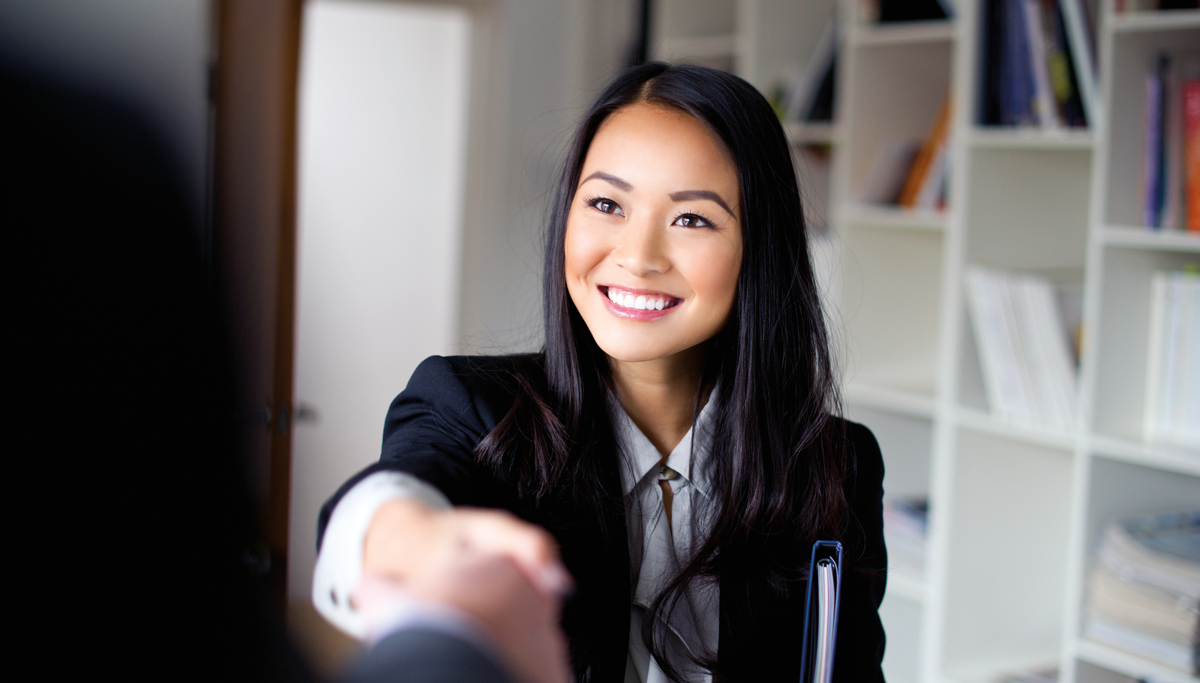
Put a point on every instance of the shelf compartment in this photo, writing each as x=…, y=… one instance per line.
x=1158, y=20
x=893, y=95
x=1133, y=56
x=1159, y=456
x=879, y=216
x=905, y=33
x=1030, y=138
x=1145, y=238
x=1122, y=334
x=983, y=423
x=1028, y=210
x=1011, y=502
x=1128, y=664
x=890, y=308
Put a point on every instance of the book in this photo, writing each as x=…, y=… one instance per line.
x=1171, y=398
x=922, y=165
x=1045, y=108
x=1016, y=71
x=1190, y=94
x=1032, y=54
x=888, y=170
x=815, y=78
x=1082, y=48
x=1028, y=368
x=1152, y=156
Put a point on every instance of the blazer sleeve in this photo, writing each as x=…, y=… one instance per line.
x=431, y=432
x=860, y=640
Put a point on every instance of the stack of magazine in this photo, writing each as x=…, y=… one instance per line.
x=1028, y=367
x=1144, y=589
x=905, y=521
x=1172, y=398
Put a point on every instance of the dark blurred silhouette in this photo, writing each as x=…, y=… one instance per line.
x=136, y=550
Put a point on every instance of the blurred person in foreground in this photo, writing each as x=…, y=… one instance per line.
x=129, y=511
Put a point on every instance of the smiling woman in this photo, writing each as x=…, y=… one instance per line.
x=678, y=436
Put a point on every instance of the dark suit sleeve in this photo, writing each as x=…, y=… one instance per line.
x=423, y=656
x=860, y=640
x=431, y=432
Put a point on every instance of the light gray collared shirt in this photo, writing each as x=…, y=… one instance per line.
x=659, y=548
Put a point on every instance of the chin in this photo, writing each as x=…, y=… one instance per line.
x=628, y=351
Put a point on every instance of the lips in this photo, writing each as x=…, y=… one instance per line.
x=638, y=304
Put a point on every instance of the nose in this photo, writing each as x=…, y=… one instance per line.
x=640, y=249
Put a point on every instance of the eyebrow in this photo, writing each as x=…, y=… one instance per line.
x=681, y=196
x=701, y=194
x=621, y=184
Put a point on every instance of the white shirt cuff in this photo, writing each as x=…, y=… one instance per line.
x=339, y=563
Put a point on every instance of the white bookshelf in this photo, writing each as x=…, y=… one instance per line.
x=1015, y=512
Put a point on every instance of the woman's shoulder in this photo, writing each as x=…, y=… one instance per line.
x=478, y=374
x=864, y=459
x=483, y=385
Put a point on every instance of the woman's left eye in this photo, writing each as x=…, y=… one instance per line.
x=691, y=220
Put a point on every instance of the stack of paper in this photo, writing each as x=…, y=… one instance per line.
x=1028, y=368
x=904, y=530
x=1172, y=398
x=1144, y=590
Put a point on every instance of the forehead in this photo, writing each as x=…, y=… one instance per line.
x=655, y=147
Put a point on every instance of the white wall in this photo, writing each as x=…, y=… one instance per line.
x=382, y=156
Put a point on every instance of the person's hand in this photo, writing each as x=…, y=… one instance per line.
x=489, y=565
x=405, y=535
x=519, y=620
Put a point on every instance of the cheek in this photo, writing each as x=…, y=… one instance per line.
x=583, y=251
x=714, y=276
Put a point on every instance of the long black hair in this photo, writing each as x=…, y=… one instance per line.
x=777, y=460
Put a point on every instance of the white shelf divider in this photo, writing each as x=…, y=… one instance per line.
x=1129, y=664
x=907, y=33
x=1159, y=456
x=1145, y=238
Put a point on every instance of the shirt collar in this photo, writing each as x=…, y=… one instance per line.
x=639, y=457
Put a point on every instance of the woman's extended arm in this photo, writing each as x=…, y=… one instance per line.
x=393, y=515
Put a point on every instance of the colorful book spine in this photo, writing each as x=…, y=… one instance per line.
x=923, y=164
x=1191, y=136
x=1152, y=180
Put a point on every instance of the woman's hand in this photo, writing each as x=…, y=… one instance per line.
x=405, y=536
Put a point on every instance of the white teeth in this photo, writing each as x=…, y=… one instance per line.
x=639, y=302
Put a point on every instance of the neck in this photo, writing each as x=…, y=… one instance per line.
x=659, y=395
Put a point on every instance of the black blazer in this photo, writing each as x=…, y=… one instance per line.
x=450, y=404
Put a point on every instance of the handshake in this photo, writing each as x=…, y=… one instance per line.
x=461, y=595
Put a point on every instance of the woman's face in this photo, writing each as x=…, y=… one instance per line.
x=654, y=240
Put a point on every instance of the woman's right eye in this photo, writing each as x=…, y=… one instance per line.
x=604, y=205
